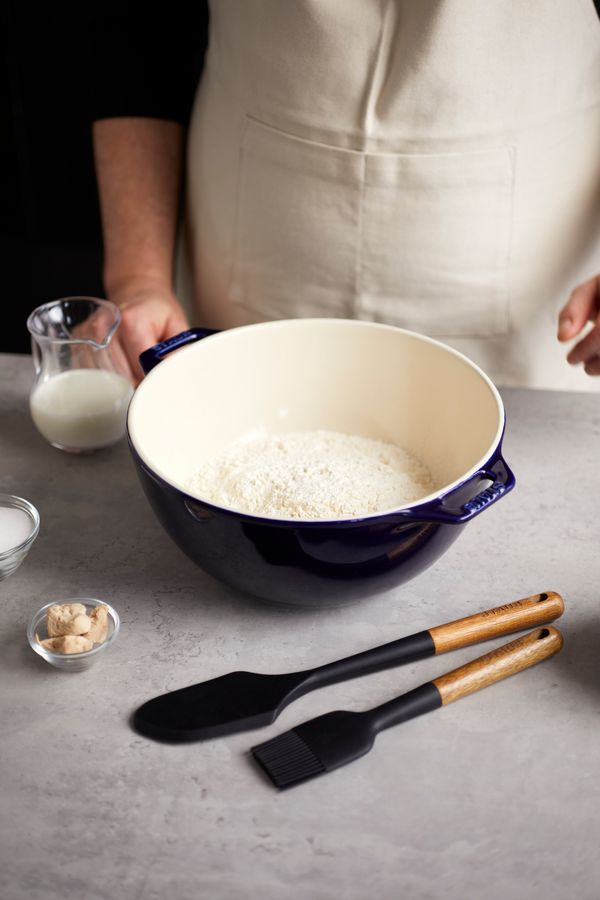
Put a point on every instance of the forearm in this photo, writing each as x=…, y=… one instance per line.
x=139, y=168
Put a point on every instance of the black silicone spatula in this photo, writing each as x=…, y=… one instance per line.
x=240, y=701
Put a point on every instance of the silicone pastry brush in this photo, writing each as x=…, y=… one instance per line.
x=337, y=738
x=240, y=701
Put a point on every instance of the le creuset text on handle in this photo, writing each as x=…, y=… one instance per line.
x=479, y=673
x=538, y=609
x=151, y=357
x=530, y=611
x=445, y=512
x=500, y=663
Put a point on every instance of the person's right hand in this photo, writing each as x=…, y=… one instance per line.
x=150, y=314
x=582, y=307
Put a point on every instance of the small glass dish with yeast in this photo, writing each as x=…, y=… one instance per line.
x=72, y=634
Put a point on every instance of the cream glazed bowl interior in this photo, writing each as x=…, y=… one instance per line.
x=359, y=378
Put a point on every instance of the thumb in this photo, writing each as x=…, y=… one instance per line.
x=145, y=334
x=176, y=322
x=580, y=309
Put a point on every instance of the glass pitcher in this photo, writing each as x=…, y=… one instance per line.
x=80, y=396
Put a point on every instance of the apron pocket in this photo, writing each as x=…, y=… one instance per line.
x=295, y=249
x=435, y=242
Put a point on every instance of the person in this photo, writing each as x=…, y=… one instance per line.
x=433, y=165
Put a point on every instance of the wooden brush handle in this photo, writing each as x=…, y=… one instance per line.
x=507, y=660
x=517, y=616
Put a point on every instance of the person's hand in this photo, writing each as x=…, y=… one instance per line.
x=150, y=314
x=582, y=307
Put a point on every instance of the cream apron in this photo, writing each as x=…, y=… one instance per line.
x=433, y=164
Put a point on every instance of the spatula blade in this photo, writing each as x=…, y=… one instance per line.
x=238, y=701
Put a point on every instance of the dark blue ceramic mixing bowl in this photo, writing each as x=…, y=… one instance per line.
x=307, y=374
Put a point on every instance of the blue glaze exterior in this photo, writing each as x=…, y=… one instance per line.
x=321, y=563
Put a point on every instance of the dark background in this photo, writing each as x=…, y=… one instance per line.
x=50, y=235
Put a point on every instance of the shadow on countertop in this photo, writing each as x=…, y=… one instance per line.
x=579, y=661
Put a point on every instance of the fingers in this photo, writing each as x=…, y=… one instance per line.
x=121, y=361
x=137, y=334
x=146, y=322
x=588, y=348
x=94, y=328
x=592, y=366
x=176, y=323
x=582, y=307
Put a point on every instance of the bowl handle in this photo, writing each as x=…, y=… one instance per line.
x=151, y=357
x=449, y=511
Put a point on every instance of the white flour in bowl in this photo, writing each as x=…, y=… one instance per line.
x=312, y=475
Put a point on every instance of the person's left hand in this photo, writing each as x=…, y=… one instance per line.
x=582, y=307
x=150, y=313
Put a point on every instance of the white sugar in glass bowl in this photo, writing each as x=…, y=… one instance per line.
x=19, y=527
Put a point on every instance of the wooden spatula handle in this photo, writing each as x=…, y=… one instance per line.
x=526, y=613
x=500, y=663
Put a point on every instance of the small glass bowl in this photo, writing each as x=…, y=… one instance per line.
x=71, y=662
x=11, y=559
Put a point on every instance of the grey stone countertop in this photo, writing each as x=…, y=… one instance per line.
x=496, y=796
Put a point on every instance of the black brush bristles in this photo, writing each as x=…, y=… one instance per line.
x=315, y=747
x=287, y=760
x=337, y=738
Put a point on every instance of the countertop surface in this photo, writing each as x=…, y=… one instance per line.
x=495, y=796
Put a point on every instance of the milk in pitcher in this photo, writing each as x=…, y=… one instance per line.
x=81, y=409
